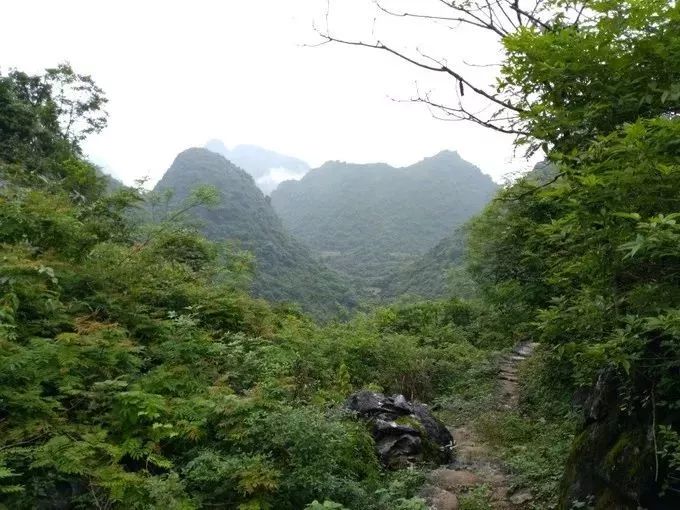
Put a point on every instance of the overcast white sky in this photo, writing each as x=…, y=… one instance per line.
x=179, y=73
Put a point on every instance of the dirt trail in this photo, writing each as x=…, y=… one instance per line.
x=474, y=464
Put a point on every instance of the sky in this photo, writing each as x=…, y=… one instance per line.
x=180, y=73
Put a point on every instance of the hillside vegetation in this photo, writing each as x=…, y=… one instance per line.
x=438, y=273
x=284, y=269
x=368, y=220
x=135, y=370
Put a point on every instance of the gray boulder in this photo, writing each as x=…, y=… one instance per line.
x=404, y=432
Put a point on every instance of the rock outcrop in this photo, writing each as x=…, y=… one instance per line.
x=612, y=462
x=404, y=432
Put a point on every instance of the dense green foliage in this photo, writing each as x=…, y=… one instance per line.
x=137, y=373
x=284, y=269
x=587, y=261
x=369, y=220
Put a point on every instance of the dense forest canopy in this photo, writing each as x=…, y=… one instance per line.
x=586, y=261
x=438, y=273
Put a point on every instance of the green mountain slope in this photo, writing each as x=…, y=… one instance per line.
x=367, y=221
x=441, y=271
x=285, y=270
x=437, y=273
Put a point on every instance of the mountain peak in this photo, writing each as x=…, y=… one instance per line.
x=243, y=214
x=447, y=155
x=200, y=151
x=368, y=219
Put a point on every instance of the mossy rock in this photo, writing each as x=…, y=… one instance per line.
x=411, y=421
x=629, y=463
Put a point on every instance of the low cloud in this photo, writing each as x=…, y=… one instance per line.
x=275, y=176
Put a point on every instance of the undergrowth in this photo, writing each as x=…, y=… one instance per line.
x=477, y=498
x=533, y=441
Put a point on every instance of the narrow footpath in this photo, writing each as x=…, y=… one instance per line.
x=475, y=465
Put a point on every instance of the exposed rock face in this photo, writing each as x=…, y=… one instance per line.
x=611, y=464
x=405, y=432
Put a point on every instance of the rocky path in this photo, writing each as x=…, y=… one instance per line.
x=475, y=465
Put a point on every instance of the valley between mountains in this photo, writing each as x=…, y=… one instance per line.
x=341, y=234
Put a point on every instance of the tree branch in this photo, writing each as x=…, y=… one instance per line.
x=512, y=23
x=441, y=68
x=528, y=15
x=461, y=114
x=470, y=12
x=532, y=190
x=435, y=18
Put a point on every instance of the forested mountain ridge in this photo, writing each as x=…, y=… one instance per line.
x=284, y=270
x=442, y=270
x=368, y=220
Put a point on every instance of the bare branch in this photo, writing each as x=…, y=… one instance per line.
x=480, y=21
x=535, y=8
x=519, y=16
x=507, y=16
x=531, y=191
x=529, y=15
x=479, y=65
x=433, y=17
x=460, y=113
x=440, y=68
x=578, y=16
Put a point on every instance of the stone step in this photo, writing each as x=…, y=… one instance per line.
x=440, y=499
x=454, y=479
x=526, y=349
x=472, y=454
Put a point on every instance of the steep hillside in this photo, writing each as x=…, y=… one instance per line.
x=268, y=168
x=440, y=272
x=437, y=273
x=285, y=269
x=369, y=220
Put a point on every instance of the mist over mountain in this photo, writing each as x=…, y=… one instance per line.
x=285, y=269
x=268, y=168
x=369, y=220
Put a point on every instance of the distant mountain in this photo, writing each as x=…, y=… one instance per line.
x=268, y=168
x=285, y=269
x=369, y=221
x=440, y=272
